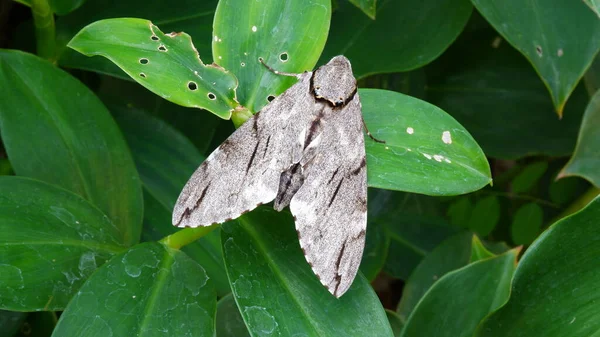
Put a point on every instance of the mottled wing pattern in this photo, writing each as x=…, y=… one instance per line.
x=245, y=170
x=330, y=209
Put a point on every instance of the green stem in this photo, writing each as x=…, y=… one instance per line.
x=186, y=236
x=580, y=203
x=240, y=115
x=45, y=30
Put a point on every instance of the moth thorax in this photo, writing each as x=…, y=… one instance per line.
x=334, y=81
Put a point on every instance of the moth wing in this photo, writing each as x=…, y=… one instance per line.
x=244, y=171
x=330, y=209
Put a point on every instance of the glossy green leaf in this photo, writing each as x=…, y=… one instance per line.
x=451, y=254
x=594, y=5
x=395, y=322
x=492, y=91
x=166, y=64
x=229, y=319
x=288, y=35
x=194, y=17
x=52, y=240
x=459, y=212
x=405, y=36
x=149, y=290
x=412, y=238
x=277, y=292
x=555, y=290
x=11, y=321
x=60, y=7
x=544, y=34
x=529, y=177
x=461, y=299
x=426, y=150
x=586, y=158
x=166, y=160
x=485, y=215
x=56, y=130
x=527, y=223
x=367, y=6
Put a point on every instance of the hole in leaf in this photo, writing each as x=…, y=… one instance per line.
x=270, y=98
x=243, y=64
x=211, y=96
x=162, y=48
x=538, y=49
x=154, y=38
x=144, y=61
x=192, y=85
x=283, y=57
x=142, y=75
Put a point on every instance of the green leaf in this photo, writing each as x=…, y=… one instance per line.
x=426, y=150
x=395, y=322
x=375, y=253
x=461, y=299
x=412, y=238
x=485, y=216
x=405, y=36
x=288, y=35
x=5, y=168
x=594, y=5
x=11, y=321
x=544, y=34
x=166, y=64
x=451, y=254
x=492, y=91
x=527, y=223
x=229, y=319
x=529, y=177
x=367, y=6
x=277, y=292
x=56, y=130
x=52, y=240
x=460, y=211
x=586, y=158
x=555, y=289
x=149, y=290
x=191, y=16
x=166, y=160
x=60, y=7
x=480, y=252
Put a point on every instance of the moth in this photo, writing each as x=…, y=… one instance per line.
x=304, y=150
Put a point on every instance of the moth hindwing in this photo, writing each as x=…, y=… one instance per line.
x=306, y=150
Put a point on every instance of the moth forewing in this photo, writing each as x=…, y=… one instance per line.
x=306, y=150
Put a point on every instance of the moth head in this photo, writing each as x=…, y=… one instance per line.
x=334, y=82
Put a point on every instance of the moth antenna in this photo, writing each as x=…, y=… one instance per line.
x=369, y=134
x=276, y=72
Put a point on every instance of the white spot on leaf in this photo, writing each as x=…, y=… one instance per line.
x=560, y=52
x=438, y=158
x=446, y=137
x=427, y=156
x=410, y=130
x=254, y=29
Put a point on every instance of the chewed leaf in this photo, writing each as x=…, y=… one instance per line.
x=167, y=64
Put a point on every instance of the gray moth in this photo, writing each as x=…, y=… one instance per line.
x=304, y=150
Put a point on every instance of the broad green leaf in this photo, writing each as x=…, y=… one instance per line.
x=527, y=223
x=52, y=241
x=367, y=6
x=485, y=216
x=594, y=5
x=288, y=35
x=11, y=321
x=377, y=244
x=405, y=36
x=544, y=33
x=451, y=254
x=60, y=7
x=492, y=91
x=166, y=160
x=529, y=177
x=229, y=319
x=459, y=212
x=479, y=251
x=412, y=238
x=278, y=294
x=567, y=189
x=591, y=78
x=586, y=158
x=426, y=150
x=56, y=130
x=395, y=322
x=461, y=299
x=194, y=17
x=166, y=64
x=149, y=290
x=555, y=289
x=5, y=168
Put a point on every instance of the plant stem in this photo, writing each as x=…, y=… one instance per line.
x=45, y=30
x=240, y=116
x=186, y=236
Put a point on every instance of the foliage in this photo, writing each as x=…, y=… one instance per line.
x=91, y=164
